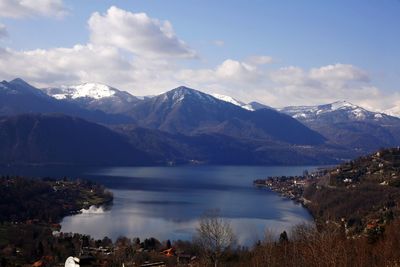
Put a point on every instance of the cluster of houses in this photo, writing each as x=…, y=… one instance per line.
x=291, y=187
x=383, y=167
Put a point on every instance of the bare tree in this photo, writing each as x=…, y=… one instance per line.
x=214, y=236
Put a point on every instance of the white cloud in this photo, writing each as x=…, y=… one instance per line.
x=339, y=73
x=289, y=75
x=232, y=69
x=3, y=31
x=31, y=8
x=326, y=83
x=223, y=79
x=121, y=63
x=137, y=33
x=65, y=65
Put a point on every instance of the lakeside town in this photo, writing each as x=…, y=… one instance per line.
x=361, y=196
x=292, y=187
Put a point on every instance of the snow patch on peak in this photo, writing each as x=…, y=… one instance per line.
x=337, y=111
x=60, y=96
x=182, y=92
x=228, y=99
x=178, y=96
x=91, y=90
x=342, y=104
x=300, y=115
x=233, y=101
x=359, y=113
x=87, y=90
x=248, y=107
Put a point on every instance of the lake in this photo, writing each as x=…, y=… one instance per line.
x=166, y=202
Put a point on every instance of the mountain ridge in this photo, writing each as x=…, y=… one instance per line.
x=188, y=111
x=334, y=131
x=349, y=125
x=19, y=97
x=57, y=138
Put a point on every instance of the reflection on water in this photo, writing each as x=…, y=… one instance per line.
x=166, y=202
x=93, y=210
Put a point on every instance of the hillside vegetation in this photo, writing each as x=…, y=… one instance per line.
x=363, y=194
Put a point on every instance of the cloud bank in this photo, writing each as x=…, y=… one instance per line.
x=137, y=33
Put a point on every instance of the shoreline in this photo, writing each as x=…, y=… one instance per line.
x=292, y=187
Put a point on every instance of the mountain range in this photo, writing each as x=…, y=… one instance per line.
x=349, y=125
x=19, y=97
x=191, y=112
x=182, y=125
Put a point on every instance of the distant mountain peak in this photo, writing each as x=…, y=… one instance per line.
x=85, y=90
x=94, y=96
x=339, y=110
x=180, y=93
x=343, y=104
x=19, y=86
x=19, y=81
x=183, y=90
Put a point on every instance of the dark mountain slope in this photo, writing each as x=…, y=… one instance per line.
x=190, y=112
x=46, y=139
x=221, y=149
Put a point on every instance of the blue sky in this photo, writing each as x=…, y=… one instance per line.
x=317, y=51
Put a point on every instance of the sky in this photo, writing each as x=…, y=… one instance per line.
x=280, y=53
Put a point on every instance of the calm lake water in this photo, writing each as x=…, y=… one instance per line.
x=166, y=202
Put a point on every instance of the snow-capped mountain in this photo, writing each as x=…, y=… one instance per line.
x=186, y=124
x=86, y=90
x=252, y=106
x=335, y=112
x=349, y=125
x=178, y=94
x=191, y=112
x=95, y=96
x=19, y=97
